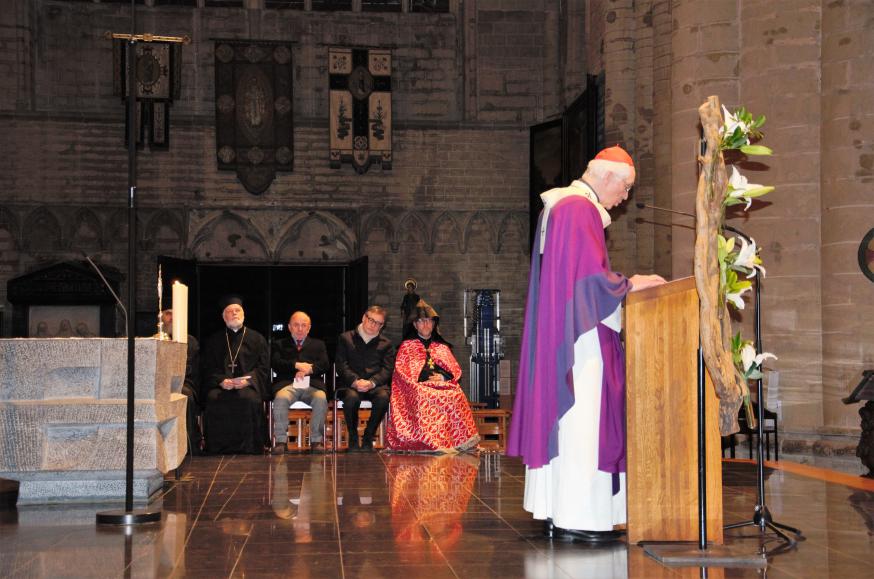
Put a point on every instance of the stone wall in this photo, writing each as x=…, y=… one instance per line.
x=452, y=212
x=805, y=65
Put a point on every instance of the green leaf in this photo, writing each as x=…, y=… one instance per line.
x=756, y=150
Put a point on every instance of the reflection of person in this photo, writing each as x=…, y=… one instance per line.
x=429, y=498
x=365, y=360
x=235, y=371
x=82, y=330
x=191, y=384
x=42, y=330
x=569, y=416
x=299, y=363
x=429, y=411
x=65, y=330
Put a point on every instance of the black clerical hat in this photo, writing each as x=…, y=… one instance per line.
x=230, y=299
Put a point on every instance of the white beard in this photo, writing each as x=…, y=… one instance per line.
x=235, y=326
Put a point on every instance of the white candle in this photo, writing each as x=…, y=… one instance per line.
x=180, y=312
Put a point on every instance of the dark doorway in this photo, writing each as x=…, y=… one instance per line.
x=561, y=148
x=333, y=295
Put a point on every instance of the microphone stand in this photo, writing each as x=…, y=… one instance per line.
x=762, y=517
x=129, y=516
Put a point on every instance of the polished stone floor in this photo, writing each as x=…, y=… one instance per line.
x=406, y=517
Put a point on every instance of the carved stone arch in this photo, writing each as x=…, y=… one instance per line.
x=414, y=234
x=479, y=226
x=513, y=231
x=116, y=229
x=85, y=231
x=316, y=236
x=446, y=233
x=164, y=232
x=377, y=228
x=42, y=232
x=9, y=222
x=229, y=236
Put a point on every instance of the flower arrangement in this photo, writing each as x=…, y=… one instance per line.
x=724, y=265
x=737, y=131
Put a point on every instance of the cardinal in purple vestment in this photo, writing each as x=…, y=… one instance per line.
x=569, y=413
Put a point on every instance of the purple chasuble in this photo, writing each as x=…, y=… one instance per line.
x=570, y=290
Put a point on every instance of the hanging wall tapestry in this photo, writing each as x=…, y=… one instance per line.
x=360, y=111
x=253, y=115
x=158, y=73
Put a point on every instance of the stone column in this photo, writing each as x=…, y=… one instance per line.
x=705, y=60
x=847, y=204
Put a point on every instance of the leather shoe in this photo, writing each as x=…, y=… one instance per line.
x=353, y=444
x=278, y=449
x=367, y=445
x=582, y=536
x=317, y=447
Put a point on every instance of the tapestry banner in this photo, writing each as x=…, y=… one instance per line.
x=360, y=107
x=158, y=70
x=253, y=110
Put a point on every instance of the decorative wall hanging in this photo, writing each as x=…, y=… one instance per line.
x=158, y=82
x=360, y=109
x=253, y=110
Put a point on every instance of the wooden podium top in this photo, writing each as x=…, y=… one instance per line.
x=672, y=287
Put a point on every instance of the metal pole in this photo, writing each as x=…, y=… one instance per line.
x=129, y=516
x=702, y=455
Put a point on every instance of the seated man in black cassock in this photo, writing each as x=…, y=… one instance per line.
x=235, y=380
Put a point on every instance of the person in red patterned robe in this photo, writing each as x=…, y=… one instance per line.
x=429, y=411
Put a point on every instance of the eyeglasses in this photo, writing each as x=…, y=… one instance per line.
x=628, y=188
x=376, y=323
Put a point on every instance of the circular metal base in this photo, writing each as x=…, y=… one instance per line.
x=134, y=517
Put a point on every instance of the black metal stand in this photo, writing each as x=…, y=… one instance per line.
x=761, y=515
x=129, y=516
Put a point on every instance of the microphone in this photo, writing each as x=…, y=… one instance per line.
x=109, y=287
x=724, y=226
x=646, y=206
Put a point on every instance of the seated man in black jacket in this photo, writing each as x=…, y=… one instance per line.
x=299, y=363
x=365, y=361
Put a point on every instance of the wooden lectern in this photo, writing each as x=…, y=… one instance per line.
x=661, y=344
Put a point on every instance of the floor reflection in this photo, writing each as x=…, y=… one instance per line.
x=382, y=515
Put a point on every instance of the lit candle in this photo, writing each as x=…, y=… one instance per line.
x=180, y=312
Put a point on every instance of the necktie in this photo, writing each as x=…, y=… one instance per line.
x=299, y=345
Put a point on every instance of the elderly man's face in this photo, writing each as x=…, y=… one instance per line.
x=615, y=189
x=299, y=326
x=425, y=327
x=233, y=316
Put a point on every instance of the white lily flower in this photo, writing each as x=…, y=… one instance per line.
x=750, y=358
x=746, y=258
x=736, y=298
x=731, y=123
x=738, y=187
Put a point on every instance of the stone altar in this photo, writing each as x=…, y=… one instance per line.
x=63, y=404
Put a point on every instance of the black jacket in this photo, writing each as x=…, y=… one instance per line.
x=285, y=355
x=374, y=360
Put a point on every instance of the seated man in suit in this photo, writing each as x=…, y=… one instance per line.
x=365, y=360
x=299, y=363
